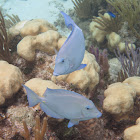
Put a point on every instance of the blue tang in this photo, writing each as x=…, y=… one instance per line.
x=71, y=53
x=61, y=103
x=111, y=14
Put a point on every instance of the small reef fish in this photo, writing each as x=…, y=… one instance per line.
x=61, y=103
x=71, y=53
x=111, y=14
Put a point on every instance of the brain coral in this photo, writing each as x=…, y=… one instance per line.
x=10, y=80
x=84, y=78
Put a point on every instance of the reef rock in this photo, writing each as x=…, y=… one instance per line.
x=84, y=78
x=10, y=80
x=119, y=99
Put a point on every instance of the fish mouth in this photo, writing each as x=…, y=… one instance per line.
x=99, y=115
x=55, y=74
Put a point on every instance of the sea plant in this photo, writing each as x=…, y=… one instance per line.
x=86, y=8
x=83, y=8
x=129, y=10
x=4, y=42
x=130, y=62
x=102, y=60
x=108, y=24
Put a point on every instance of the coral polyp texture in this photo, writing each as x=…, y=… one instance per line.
x=10, y=80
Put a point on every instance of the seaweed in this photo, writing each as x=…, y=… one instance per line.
x=4, y=42
x=130, y=62
x=129, y=10
x=87, y=8
x=12, y=20
x=108, y=25
x=83, y=8
x=102, y=60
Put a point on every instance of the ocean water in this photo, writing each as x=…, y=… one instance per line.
x=31, y=9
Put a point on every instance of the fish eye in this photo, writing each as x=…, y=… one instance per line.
x=88, y=108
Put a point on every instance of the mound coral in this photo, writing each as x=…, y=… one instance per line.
x=86, y=78
x=133, y=132
x=32, y=27
x=119, y=100
x=46, y=42
x=134, y=82
x=39, y=86
x=10, y=80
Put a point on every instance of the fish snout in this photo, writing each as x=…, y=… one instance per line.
x=55, y=74
x=99, y=115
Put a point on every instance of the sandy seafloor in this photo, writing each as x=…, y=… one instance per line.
x=34, y=9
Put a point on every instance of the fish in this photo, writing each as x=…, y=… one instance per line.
x=111, y=14
x=61, y=103
x=71, y=53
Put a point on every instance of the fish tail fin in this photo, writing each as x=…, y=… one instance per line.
x=32, y=97
x=68, y=21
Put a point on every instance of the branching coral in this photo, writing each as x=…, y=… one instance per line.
x=130, y=63
x=108, y=24
x=129, y=11
x=4, y=45
x=39, y=133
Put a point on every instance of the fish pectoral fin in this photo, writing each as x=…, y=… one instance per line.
x=73, y=122
x=82, y=66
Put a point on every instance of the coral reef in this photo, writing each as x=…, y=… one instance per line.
x=10, y=80
x=106, y=27
x=129, y=11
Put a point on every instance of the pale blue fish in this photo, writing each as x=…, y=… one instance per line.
x=71, y=53
x=61, y=103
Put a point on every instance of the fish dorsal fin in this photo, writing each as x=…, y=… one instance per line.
x=68, y=21
x=61, y=91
